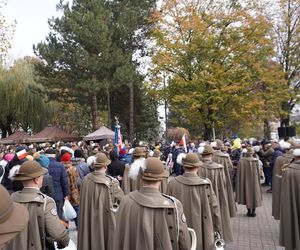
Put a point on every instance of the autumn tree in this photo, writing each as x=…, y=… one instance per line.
x=219, y=59
x=285, y=18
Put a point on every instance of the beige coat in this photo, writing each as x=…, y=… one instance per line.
x=248, y=191
x=289, y=235
x=43, y=220
x=96, y=220
x=132, y=182
x=276, y=184
x=150, y=220
x=224, y=159
x=200, y=206
x=215, y=173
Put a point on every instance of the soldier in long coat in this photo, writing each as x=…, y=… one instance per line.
x=44, y=226
x=224, y=159
x=289, y=236
x=98, y=194
x=148, y=219
x=248, y=182
x=131, y=176
x=13, y=218
x=215, y=173
x=280, y=162
x=199, y=202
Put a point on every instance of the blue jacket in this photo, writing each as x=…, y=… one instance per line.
x=60, y=179
x=277, y=152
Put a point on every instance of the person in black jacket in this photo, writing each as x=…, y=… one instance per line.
x=116, y=167
x=47, y=185
x=19, y=158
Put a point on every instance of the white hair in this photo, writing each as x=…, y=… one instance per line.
x=135, y=168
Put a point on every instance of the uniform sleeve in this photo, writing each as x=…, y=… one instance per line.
x=170, y=187
x=184, y=241
x=53, y=226
x=216, y=213
x=118, y=191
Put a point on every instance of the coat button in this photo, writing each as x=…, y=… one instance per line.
x=206, y=187
x=170, y=227
x=205, y=217
x=208, y=195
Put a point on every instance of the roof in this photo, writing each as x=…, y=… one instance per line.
x=17, y=137
x=101, y=133
x=52, y=134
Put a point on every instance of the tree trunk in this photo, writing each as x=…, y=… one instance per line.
x=131, y=112
x=94, y=111
x=4, y=131
x=208, y=133
x=267, y=132
x=108, y=109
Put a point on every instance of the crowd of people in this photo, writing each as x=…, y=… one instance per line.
x=145, y=196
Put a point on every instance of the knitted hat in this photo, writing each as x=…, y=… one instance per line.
x=66, y=157
x=13, y=217
x=101, y=160
x=208, y=150
x=139, y=151
x=154, y=170
x=42, y=159
x=191, y=160
x=29, y=170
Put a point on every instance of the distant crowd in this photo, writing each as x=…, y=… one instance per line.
x=124, y=195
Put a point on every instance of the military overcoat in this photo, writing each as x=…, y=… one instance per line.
x=150, y=220
x=215, y=173
x=200, y=206
x=97, y=221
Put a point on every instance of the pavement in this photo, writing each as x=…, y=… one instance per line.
x=249, y=233
x=256, y=233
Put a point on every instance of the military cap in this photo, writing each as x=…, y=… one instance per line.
x=139, y=151
x=13, y=217
x=154, y=170
x=191, y=160
x=101, y=160
x=30, y=170
x=207, y=150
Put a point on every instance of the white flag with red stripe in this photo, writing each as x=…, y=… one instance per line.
x=183, y=142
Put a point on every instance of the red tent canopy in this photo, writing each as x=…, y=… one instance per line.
x=52, y=134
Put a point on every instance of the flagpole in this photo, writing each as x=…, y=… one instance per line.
x=117, y=131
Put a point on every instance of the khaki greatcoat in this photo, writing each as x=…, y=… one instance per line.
x=130, y=184
x=43, y=220
x=96, y=220
x=224, y=159
x=276, y=184
x=289, y=234
x=200, y=205
x=215, y=173
x=248, y=190
x=150, y=220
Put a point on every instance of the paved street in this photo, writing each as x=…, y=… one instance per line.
x=259, y=233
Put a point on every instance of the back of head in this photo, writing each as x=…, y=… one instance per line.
x=113, y=155
x=154, y=170
x=101, y=161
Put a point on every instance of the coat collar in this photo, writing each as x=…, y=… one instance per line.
x=150, y=197
x=192, y=179
x=207, y=163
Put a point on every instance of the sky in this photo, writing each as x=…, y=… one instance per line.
x=32, y=24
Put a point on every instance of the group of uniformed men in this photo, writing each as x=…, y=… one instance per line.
x=156, y=211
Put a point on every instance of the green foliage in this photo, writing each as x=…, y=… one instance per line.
x=23, y=100
x=89, y=52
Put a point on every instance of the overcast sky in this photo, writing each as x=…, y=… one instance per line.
x=32, y=27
